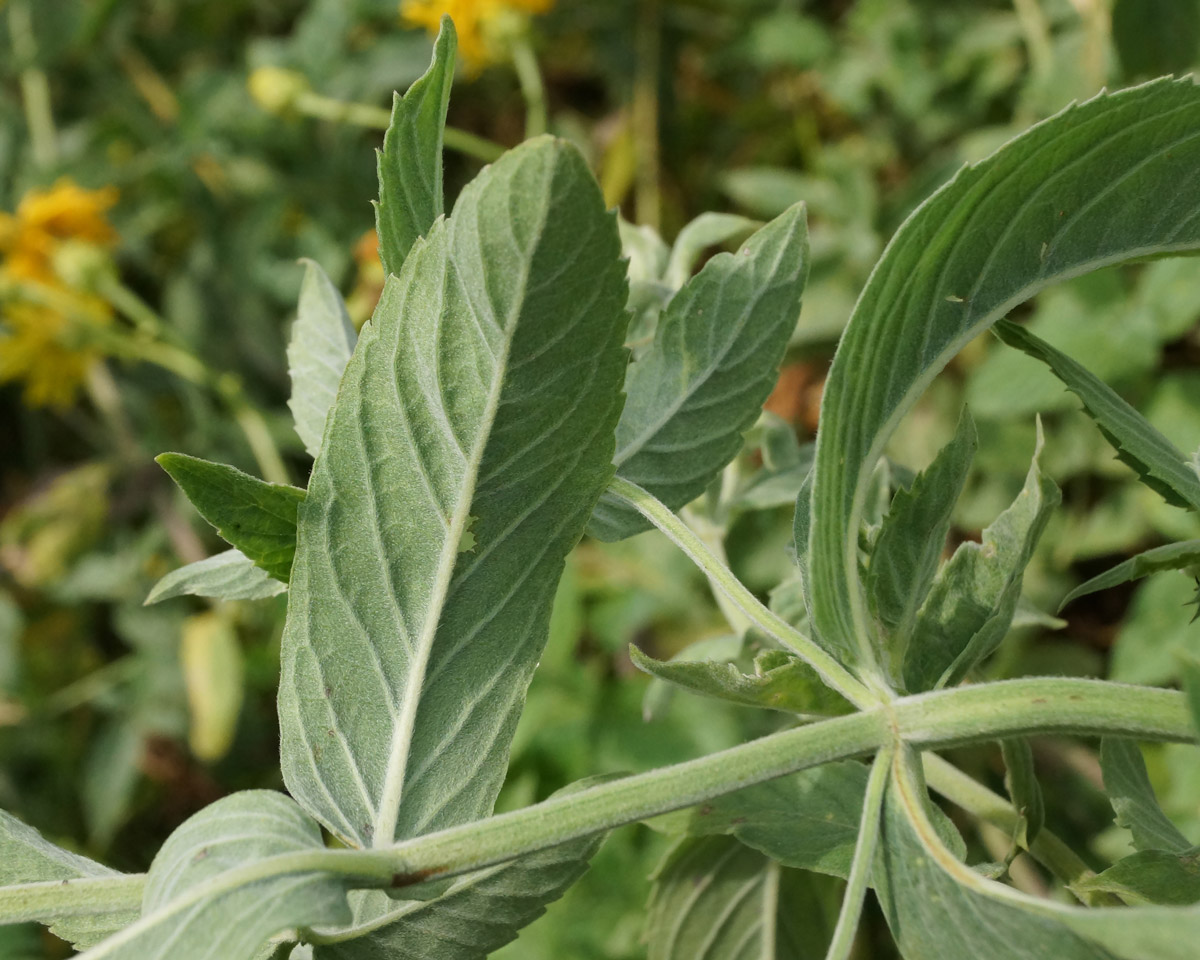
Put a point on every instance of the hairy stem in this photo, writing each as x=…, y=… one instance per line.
x=55, y=899
x=533, y=90
x=833, y=673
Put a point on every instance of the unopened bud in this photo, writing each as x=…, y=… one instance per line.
x=275, y=89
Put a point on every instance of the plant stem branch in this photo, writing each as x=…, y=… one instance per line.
x=644, y=115
x=35, y=88
x=55, y=899
x=533, y=90
x=832, y=672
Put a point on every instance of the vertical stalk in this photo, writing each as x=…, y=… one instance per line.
x=35, y=88
x=533, y=90
x=648, y=193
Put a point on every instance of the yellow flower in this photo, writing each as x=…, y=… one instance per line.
x=42, y=313
x=476, y=21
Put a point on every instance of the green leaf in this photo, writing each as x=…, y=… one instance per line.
x=714, y=360
x=780, y=682
x=1154, y=37
x=322, y=341
x=715, y=899
x=227, y=880
x=1151, y=455
x=1150, y=877
x=1020, y=779
x=410, y=163
x=706, y=230
x=971, y=604
x=28, y=857
x=1102, y=182
x=1132, y=797
x=910, y=543
x=1172, y=556
x=227, y=576
x=257, y=517
x=483, y=394
x=478, y=914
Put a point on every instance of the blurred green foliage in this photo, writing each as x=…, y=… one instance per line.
x=118, y=720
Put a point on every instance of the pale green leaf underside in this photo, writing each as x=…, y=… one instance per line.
x=1160, y=465
x=715, y=899
x=410, y=163
x=714, y=360
x=974, y=596
x=482, y=398
x=28, y=857
x=1132, y=797
x=1103, y=182
x=322, y=341
x=1172, y=556
x=202, y=901
x=256, y=517
x=227, y=576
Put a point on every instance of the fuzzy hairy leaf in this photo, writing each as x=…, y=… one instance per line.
x=971, y=604
x=410, y=163
x=1151, y=877
x=1152, y=456
x=905, y=558
x=1132, y=797
x=257, y=517
x=471, y=438
x=227, y=576
x=714, y=360
x=707, y=230
x=223, y=884
x=1102, y=182
x=322, y=341
x=1172, y=556
x=715, y=899
x=28, y=857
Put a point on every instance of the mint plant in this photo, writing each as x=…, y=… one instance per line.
x=490, y=415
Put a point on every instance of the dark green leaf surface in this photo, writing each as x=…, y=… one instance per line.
x=1128, y=787
x=715, y=358
x=227, y=576
x=1020, y=779
x=410, y=163
x=1151, y=877
x=971, y=604
x=910, y=544
x=257, y=517
x=322, y=341
x=1155, y=459
x=1172, y=556
x=472, y=435
x=1102, y=182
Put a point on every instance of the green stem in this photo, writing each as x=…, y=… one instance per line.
x=864, y=858
x=533, y=90
x=377, y=118
x=644, y=115
x=55, y=899
x=35, y=88
x=832, y=672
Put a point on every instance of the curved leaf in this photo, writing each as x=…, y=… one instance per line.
x=1172, y=556
x=226, y=576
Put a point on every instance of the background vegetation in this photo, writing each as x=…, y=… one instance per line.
x=164, y=163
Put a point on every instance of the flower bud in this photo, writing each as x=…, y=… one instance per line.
x=275, y=89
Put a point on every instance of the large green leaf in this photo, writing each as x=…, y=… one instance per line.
x=1171, y=556
x=28, y=857
x=715, y=899
x=1102, y=182
x=1160, y=465
x=471, y=438
x=410, y=163
x=905, y=558
x=322, y=341
x=257, y=517
x=1132, y=797
x=971, y=604
x=224, y=883
x=227, y=576
x=715, y=357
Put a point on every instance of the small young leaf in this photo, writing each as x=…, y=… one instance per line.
x=227, y=576
x=1155, y=459
x=211, y=893
x=410, y=163
x=1172, y=556
x=1151, y=877
x=715, y=357
x=971, y=604
x=707, y=230
x=910, y=543
x=1020, y=779
x=1132, y=797
x=780, y=682
x=257, y=517
x=715, y=899
x=322, y=341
